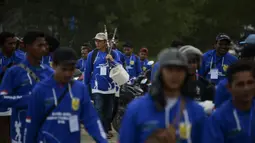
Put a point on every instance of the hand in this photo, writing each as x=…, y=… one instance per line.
x=109, y=57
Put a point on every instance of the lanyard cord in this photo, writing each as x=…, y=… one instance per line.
x=239, y=128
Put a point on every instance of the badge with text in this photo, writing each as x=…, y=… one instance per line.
x=75, y=104
x=214, y=73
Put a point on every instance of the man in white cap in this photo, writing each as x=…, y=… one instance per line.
x=97, y=76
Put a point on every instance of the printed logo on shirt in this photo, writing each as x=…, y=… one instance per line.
x=28, y=120
x=150, y=125
x=3, y=92
x=184, y=130
x=225, y=68
x=75, y=104
x=132, y=62
x=49, y=101
x=50, y=64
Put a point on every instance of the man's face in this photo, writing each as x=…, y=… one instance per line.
x=173, y=77
x=222, y=46
x=64, y=72
x=143, y=55
x=84, y=52
x=10, y=45
x=100, y=44
x=242, y=87
x=128, y=51
x=38, y=48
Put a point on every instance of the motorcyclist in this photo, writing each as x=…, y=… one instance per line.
x=159, y=110
x=203, y=89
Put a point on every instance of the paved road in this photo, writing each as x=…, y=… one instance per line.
x=87, y=139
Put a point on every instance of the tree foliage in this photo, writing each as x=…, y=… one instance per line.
x=154, y=23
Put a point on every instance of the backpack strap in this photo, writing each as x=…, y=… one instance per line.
x=30, y=72
x=93, y=58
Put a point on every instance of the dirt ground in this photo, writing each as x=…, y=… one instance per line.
x=85, y=138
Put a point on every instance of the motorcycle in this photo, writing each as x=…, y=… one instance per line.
x=134, y=88
x=128, y=92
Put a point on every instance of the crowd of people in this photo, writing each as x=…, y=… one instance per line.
x=40, y=101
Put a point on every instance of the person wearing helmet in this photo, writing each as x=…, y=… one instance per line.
x=216, y=62
x=149, y=118
x=203, y=90
x=222, y=94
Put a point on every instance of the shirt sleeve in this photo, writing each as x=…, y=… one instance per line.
x=221, y=94
x=35, y=115
x=198, y=128
x=7, y=98
x=91, y=120
x=128, y=130
x=88, y=70
x=212, y=131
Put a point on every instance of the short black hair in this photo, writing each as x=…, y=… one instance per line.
x=64, y=56
x=31, y=36
x=4, y=36
x=240, y=66
x=248, y=51
x=52, y=42
x=177, y=43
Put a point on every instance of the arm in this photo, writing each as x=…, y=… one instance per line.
x=128, y=131
x=221, y=94
x=212, y=131
x=91, y=120
x=7, y=99
x=116, y=58
x=35, y=114
x=88, y=71
x=197, y=128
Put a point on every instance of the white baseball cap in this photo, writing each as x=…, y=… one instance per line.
x=100, y=36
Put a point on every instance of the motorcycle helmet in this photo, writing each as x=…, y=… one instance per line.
x=172, y=57
x=168, y=57
x=193, y=54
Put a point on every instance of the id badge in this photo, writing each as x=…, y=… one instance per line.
x=214, y=73
x=74, y=124
x=103, y=70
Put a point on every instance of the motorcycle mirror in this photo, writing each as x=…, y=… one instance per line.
x=150, y=63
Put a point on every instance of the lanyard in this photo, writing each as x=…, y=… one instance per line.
x=211, y=64
x=239, y=124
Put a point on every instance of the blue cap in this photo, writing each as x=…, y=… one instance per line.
x=249, y=40
x=223, y=37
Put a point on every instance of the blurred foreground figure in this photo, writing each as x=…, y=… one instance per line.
x=167, y=112
x=234, y=120
x=59, y=104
